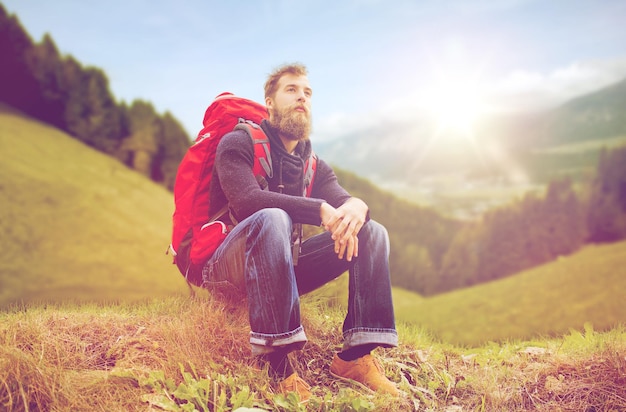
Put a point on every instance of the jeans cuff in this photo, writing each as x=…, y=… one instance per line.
x=263, y=343
x=360, y=336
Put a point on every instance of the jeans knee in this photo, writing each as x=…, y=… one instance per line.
x=374, y=229
x=275, y=217
x=375, y=233
x=277, y=221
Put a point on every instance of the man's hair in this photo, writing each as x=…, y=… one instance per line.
x=271, y=84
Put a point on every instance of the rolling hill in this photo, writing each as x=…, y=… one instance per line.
x=76, y=224
x=549, y=300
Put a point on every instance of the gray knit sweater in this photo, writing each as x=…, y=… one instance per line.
x=233, y=181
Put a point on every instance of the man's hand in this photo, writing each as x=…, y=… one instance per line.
x=344, y=224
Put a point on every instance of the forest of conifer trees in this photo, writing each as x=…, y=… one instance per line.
x=36, y=79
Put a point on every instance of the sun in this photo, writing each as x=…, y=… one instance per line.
x=455, y=101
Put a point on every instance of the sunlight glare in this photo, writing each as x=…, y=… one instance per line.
x=455, y=102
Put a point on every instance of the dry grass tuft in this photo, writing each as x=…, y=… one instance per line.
x=68, y=359
x=582, y=378
x=594, y=383
x=23, y=385
x=99, y=358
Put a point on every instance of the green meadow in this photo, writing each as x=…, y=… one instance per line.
x=76, y=224
x=93, y=315
x=586, y=288
x=552, y=299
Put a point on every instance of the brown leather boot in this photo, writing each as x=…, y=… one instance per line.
x=294, y=383
x=365, y=372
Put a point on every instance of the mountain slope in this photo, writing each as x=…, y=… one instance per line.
x=595, y=116
x=586, y=287
x=75, y=223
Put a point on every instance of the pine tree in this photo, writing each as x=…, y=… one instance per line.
x=47, y=69
x=607, y=205
x=459, y=267
x=566, y=219
x=103, y=117
x=75, y=111
x=139, y=149
x=18, y=85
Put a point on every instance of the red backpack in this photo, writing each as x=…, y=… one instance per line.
x=195, y=234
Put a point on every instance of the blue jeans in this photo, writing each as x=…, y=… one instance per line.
x=256, y=258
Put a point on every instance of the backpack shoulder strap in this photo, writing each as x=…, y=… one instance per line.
x=309, y=174
x=262, y=167
x=262, y=155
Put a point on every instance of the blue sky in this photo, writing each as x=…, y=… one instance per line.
x=369, y=61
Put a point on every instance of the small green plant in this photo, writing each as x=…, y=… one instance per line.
x=346, y=402
x=194, y=393
x=289, y=402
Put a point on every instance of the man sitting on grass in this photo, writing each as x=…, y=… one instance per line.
x=258, y=255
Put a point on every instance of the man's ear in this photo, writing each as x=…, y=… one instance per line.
x=268, y=102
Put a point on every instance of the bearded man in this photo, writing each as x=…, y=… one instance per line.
x=263, y=256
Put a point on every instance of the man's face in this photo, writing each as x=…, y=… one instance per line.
x=290, y=108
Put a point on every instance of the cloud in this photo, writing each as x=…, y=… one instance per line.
x=532, y=90
x=520, y=90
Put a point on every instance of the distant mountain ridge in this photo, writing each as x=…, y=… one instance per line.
x=597, y=115
x=411, y=151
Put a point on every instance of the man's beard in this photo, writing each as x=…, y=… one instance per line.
x=290, y=123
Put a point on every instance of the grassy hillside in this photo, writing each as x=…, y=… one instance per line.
x=76, y=224
x=587, y=287
x=193, y=354
x=79, y=227
x=549, y=300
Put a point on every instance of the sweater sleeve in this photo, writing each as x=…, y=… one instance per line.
x=327, y=187
x=233, y=167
